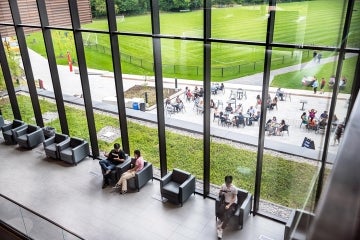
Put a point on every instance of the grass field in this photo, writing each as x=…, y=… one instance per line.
x=296, y=22
x=284, y=181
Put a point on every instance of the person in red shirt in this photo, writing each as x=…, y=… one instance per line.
x=322, y=85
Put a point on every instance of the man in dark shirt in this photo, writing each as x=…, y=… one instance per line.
x=113, y=158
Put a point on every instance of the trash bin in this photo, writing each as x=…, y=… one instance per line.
x=136, y=106
x=142, y=107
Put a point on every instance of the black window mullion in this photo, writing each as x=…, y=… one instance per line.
x=265, y=92
x=116, y=60
x=155, y=26
x=15, y=13
x=9, y=83
x=207, y=91
x=84, y=78
x=53, y=66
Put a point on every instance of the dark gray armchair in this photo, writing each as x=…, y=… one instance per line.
x=29, y=136
x=51, y=145
x=177, y=186
x=141, y=177
x=298, y=225
x=8, y=130
x=243, y=209
x=73, y=150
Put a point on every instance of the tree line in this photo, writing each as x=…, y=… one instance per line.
x=135, y=7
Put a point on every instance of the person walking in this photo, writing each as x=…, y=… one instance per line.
x=315, y=84
x=322, y=85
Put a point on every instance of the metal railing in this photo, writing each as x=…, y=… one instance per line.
x=30, y=223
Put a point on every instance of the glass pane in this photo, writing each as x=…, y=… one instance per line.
x=240, y=22
x=236, y=117
x=184, y=150
x=5, y=17
x=353, y=40
x=29, y=12
x=58, y=13
x=186, y=21
x=297, y=22
x=93, y=15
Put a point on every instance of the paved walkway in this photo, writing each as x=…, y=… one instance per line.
x=103, y=88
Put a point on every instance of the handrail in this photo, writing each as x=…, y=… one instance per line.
x=41, y=216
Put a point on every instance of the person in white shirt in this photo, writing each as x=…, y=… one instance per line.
x=228, y=196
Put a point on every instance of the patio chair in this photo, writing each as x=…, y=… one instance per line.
x=242, y=211
x=73, y=150
x=8, y=131
x=177, y=186
x=285, y=129
x=51, y=145
x=29, y=137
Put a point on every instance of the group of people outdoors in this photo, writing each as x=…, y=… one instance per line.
x=273, y=127
x=315, y=83
x=117, y=156
x=175, y=106
x=312, y=122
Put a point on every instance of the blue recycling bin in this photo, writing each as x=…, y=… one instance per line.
x=136, y=106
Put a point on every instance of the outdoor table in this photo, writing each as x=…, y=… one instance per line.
x=303, y=103
x=240, y=93
x=246, y=117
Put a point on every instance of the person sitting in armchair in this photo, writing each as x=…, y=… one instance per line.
x=228, y=196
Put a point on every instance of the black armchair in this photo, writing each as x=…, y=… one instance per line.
x=51, y=145
x=73, y=150
x=8, y=130
x=177, y=186
x=141, y=177
x=298, y=225
x=243, y=209
x=29, y=137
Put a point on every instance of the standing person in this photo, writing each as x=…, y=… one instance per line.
x=315, y=84
x=228, y=203
x=314, y=55
x=318, y=56
x=322, y=85
x=139, y=164
x=114, y=157
x=338, y=132
x=258, y=101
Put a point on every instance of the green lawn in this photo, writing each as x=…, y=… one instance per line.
x=284, y=181
x=292, y=80
x=296, y=22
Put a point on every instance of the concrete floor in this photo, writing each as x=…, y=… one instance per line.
x=72, y=197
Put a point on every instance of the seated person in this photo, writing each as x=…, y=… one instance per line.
x=274, y=103
x=332, y=81
x=251, y=111
x=139, y=164
x=167, y=101
x=189, y=95
x=216, y=113
x=342, y=83
x=221, y=88
x=212, y=103
x=255, y=117
x=240, y=120
x=280, y=94
x=239, y=108
x=229, y=108
x=228, y=196
x=312, y=124
x=324, y=115
x=113, y=158
x=281, y=127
